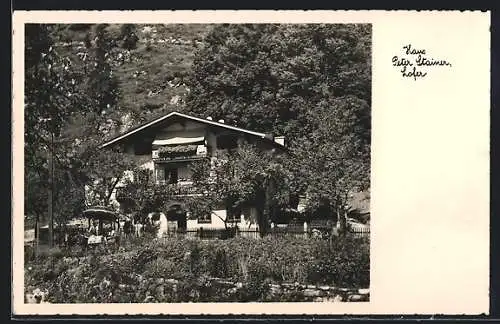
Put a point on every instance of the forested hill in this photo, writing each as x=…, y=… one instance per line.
x=262, y=77
x=151, y=73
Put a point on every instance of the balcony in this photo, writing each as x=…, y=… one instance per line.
x=179, y=189
x=173, y=190
x=179, y=153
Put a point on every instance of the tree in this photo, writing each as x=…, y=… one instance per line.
x=141, y=195
x=47, y=102
x=341, y=161
x=310, y=83
x=267, y=77
x=98, y=116
x=248, y=176
x=74, y=100
x=215, y=180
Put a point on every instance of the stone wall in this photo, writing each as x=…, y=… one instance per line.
x=157, y=288
x=311, y=293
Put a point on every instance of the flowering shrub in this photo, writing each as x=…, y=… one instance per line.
x=180, y=270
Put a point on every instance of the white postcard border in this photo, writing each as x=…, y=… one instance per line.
x=430, y=233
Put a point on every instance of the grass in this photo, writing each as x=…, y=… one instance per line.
x=161, y=62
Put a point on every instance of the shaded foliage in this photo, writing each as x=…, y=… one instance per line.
x=74, y=101
x=267, y=77
x=311, y=83
x=180, y=270
x=246, y=177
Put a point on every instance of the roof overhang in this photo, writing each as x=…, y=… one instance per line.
x=122, y=137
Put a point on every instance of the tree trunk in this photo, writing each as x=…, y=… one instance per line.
x=37, y=234
x=260, y=220
x=268, y=207
x=262, y=213
x=110, y=192
x=50, y=195
x=229, y=212
x=342, y=214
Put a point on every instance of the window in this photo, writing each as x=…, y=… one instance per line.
x=160, y=173
x=234, y=214
x=184, y=173
x=171, y=175
x=204, y=219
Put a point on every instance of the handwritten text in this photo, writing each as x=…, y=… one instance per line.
x=416, y=63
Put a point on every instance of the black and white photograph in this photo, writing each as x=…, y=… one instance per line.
x=250, y=163
x=197, y=163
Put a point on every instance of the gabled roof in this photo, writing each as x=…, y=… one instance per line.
x=177, y=114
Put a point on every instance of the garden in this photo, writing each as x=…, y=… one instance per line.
x=271, y=269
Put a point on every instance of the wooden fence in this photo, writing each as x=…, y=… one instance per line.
x=290, y=231
x=360, y=232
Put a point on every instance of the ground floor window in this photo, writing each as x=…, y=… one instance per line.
x=234, y=214
x=202, y=212
x=205, y=219
x=171, y=175
x=167, y=174
x=176, y=213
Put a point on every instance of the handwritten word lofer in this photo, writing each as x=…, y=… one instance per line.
x=414, y=63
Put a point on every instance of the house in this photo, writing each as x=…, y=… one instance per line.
x=169, y=144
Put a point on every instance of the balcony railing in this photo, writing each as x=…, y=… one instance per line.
x=192, y=152
x=178, y=189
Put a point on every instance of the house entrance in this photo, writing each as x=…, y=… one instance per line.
x=176, y=215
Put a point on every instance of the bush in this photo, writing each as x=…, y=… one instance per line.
x=29, y=253
x=341, y=262
x=162, y=268
x=144, y=256
x=216, y=261
x=257, y=286
x=138, y=273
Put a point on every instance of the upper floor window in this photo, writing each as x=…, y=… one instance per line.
x=167, y=175
x=227, y=142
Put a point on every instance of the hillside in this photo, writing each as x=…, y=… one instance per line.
x=151, y=76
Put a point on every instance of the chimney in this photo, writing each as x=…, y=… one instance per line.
x=280, y=140
x=221, y=121
x=209, y=118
